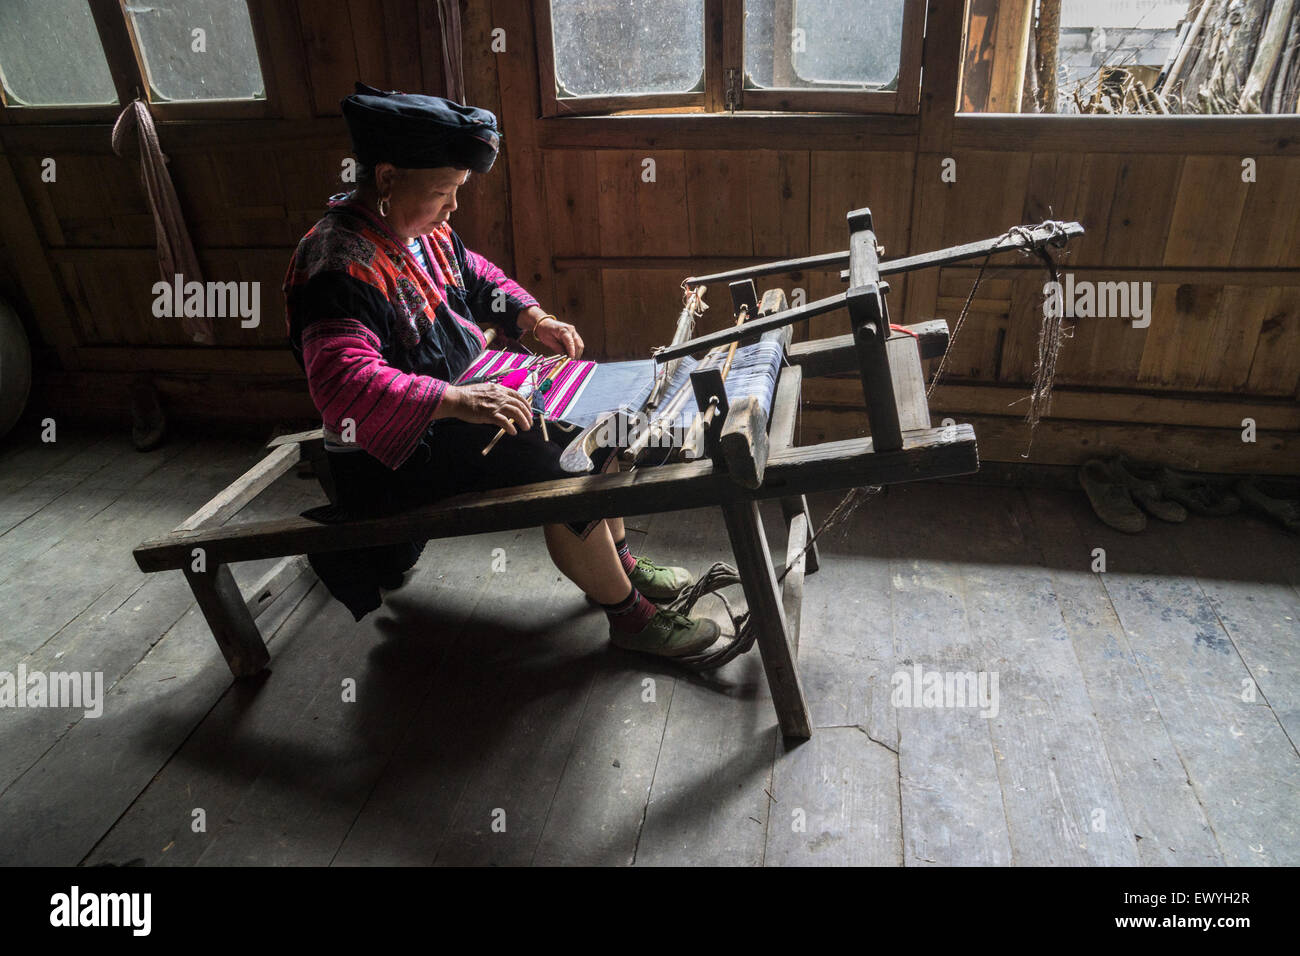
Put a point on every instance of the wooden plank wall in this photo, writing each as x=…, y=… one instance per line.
x=568, y=207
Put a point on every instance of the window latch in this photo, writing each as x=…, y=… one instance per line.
x=732, y=94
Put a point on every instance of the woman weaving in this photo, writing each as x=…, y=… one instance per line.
x=384, y=304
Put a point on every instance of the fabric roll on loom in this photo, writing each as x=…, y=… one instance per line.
x=588, y=390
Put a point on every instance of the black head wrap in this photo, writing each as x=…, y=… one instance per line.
x=413, y=131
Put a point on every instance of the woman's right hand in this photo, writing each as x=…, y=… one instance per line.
x=486, y=403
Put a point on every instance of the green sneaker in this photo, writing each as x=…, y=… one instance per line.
x=668, y=634
x=660, y=585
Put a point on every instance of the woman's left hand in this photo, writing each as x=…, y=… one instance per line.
x=560, y=336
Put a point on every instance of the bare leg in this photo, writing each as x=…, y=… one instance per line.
x=591, y=563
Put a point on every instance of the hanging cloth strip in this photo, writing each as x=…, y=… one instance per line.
x=453, y=68
x=175, y=248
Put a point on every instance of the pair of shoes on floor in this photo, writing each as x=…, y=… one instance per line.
x=1123, y=492
x=1274, y=498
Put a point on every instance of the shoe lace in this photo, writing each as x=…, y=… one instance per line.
x=648, y=566
x=674, y=619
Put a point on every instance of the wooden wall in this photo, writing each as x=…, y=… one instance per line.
x=567, y=210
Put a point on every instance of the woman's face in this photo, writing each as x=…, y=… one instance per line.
x=419, y=199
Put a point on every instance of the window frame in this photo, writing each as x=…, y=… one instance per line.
x=724, y=47
x=130, y=80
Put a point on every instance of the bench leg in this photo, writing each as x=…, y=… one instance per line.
x=798, y=504
x=767, y=616
x=227, y=615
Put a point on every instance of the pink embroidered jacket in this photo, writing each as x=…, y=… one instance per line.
x=379, y=336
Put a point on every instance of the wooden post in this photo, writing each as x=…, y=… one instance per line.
x=870, y=320
x=792, y=586
x=743, y=441
x=791, y=508
x=767, y=616
x=228, y=616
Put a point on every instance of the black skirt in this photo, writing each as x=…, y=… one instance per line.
x=448, y=461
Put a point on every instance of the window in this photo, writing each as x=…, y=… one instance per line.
x=1132, y=57
x=832, y=45
x=83, y=58
x=50, y=55
x=197, y=49
x=628, y=47
x=713, y=55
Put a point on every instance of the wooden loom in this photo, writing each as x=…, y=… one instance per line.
x=750, y=457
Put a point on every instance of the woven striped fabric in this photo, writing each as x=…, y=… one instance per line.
x=560, y=382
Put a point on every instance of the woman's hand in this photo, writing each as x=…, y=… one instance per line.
x=486, y=403
x=560, y=336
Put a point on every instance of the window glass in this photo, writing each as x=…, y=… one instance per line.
x=827, y=44
x=197, y=49
x=614, y=47
x=50, y=55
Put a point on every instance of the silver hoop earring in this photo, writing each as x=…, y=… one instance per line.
x=383, y=207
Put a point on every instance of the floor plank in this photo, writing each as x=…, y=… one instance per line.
x=1059, y=791
x=1243, y=768
x=1167, y=821
x=952, y=802
x=709, y=800
x=1246, y=570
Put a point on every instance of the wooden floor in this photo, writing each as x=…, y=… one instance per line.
x=493, y=724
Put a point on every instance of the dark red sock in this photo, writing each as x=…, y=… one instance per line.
x=631, y=614
x=625, y=555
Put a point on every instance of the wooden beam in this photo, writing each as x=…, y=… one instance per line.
x=683, y=265
x=744, y=441
x=715, y=30
x=227, y=614
x=145, y=358
x=767, y=617
x=945, y=21
x=1005, y=438
x=1085, y=404
x=855, y=133
x=909, y=383
x=283, y=57
x=297, y=438
x=183, y=136
x=273, y=583
x=835, y=356
x=785, y=409
x=924, y=260
x=517, y=75
x=1156, y=275
x=796, y=566
x=1233, y=135
x=869, y=319
x=243, y=489
x=119, y=50
x=826, y=467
